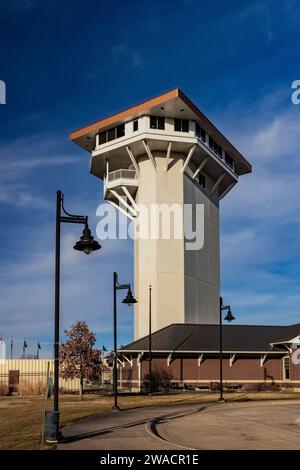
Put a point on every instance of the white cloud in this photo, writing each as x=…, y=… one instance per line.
x=21, y=157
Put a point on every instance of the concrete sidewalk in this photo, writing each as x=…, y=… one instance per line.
x=130, y=429
x=231, y=425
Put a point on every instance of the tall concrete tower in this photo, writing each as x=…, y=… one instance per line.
x=165, y=151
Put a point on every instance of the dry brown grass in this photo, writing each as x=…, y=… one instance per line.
x=32, y=389
x=3, y=389
x=21, y=417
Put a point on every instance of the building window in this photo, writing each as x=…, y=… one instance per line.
x=135, y=125
x=202, y=180
x=157, y=122
x=229, y=161
x=286, y=368
x=102, y=138
x=215, y=147
x=181, y=125
x=200, y=133
x=111, y=134
x=120, y=131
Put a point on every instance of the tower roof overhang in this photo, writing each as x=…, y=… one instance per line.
x=173, y=103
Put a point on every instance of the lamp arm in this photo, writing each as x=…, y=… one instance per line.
x=122, y=286
x=73, y=217
x=225, y=307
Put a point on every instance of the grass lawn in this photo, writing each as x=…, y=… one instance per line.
x=21, y=417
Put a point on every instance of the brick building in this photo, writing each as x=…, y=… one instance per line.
x=254, y=357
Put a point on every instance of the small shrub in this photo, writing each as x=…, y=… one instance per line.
x=267, y=387
x=214, y=386
x=160, y=381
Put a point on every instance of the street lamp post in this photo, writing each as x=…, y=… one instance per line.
x=150, y=340
x=128, y=300
x=229, y=317
x=87, y=245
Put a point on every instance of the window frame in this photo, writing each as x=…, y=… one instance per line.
x=179, y=125
x=200, y=133
x=229, y=161
x=157, y=122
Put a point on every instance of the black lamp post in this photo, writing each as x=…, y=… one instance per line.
x=150, y=341
x=129, y=300
x=87, y=245
x=229, y=317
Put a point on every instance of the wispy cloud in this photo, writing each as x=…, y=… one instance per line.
x=125, y=52
x=19, y=159
x=120, y=53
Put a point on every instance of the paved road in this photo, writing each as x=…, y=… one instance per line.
x=252, y=425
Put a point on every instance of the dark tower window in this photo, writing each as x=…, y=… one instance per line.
x=229, y=161
x=181, y=125
x=111, y=134
x=157, y=122
x=215, y=147
x=120, y=131
x=102, y=138
x=160, y=123
x=135, y=125
x=200, y=132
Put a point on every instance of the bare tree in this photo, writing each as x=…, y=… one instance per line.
x=78, y=359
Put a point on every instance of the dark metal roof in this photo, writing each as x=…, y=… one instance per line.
x=288, y=333
x=197, y=337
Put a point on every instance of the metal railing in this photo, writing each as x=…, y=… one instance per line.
x=118, y=174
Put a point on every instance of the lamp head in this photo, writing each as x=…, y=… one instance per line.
x=229, y=317
x=87, y=244
x=129, y=299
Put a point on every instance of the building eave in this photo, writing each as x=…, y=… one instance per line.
x=165, y=351
x=144, y=107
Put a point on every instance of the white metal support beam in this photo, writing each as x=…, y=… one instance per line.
x=149, y=153
x=127, y=359
x=221, y=177
x=200, y=359
x=231, y=359
x=120, y=209
x=189, y=156
x=168, y=155
x=127, y=194
x=226, y=190
x=139, y=357
x=200, y=167
x=122, y=201
x=133, y=160
x=263, y=359
x=169, y=358
x=120, y=362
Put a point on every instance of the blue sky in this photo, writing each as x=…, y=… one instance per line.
x=66, y=64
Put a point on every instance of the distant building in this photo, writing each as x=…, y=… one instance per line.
x=255, y=357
